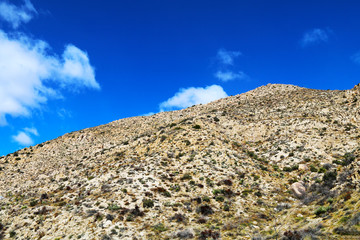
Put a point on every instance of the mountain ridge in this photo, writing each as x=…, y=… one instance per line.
x=231, y=169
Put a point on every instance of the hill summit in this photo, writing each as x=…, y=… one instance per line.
x=277, y=162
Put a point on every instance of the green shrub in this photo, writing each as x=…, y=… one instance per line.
x=99, y=217
x=33, y=203
x=175, y=188
x=262, y=167
x=186, y=176
x=338, y=162
x=348, y=159
x=287, y=169
x=166, y=194
x=159, y=227
x=218, y=191
x=209, y=182
x=113, y=207
x=321, y=210
x=290, y=169
x=251, y=154
x=295, y=167
x=12, y=234
x=344, y=219
x=313, y=168
x=276, y=167
x=206, y=199
x=219, y=198
x=330, y=176
x=148, y=203
x=246, y=192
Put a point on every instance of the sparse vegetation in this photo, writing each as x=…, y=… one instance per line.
x=159, y=227
x=276, y=163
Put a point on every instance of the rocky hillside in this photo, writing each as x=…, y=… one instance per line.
x=278, y=162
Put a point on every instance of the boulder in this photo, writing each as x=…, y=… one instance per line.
x=298, y=189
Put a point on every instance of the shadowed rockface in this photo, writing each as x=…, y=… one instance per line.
x=278, y=162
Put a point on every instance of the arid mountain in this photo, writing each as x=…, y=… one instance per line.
x=278, y=162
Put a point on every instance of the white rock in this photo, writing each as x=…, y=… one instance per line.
x=303, y=167
x=298, y=189
x=103, y=205
x=107, y=224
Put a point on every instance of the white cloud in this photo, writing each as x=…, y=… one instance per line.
x=15, y=15
x=229, y=75
x=187, y=97
x=227, y=57
x=24, y=137
x=315, y=36
x=77, y=69
x=30, y=74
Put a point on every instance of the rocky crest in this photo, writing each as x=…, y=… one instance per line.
x=224, y=170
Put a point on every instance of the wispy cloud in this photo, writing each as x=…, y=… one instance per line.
x=63, y=113
x=229, y=75
x=226, y=69
x=148, y=114
x=315, y=36
x=16, y=15
x=24, y=138
x=226, y=57
x=32, y=131
x=187, y=97
x=356, y=57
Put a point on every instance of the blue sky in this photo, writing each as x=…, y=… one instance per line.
x=68, y=65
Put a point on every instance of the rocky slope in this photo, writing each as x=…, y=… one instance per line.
x=278, y=162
